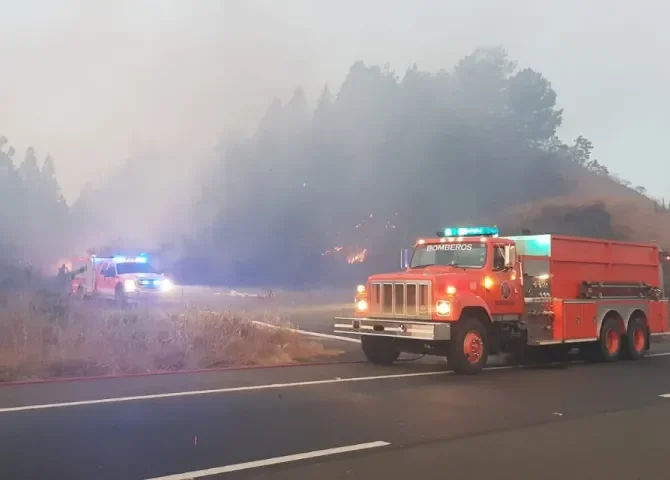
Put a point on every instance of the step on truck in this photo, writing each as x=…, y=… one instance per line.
x=469, y=293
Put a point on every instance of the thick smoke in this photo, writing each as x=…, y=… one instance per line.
x=385, y=159
x=319, y=195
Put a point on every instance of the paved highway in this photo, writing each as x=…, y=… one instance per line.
x=353, y=421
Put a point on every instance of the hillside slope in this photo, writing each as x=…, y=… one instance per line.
x=597, y=206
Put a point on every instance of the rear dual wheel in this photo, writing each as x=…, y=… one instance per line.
x=614, y=344
x=636, y=341
x=608, y=347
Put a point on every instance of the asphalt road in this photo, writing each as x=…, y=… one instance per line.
x=345, y=422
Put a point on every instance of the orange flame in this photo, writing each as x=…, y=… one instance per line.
x=331, y=251
x=358, y=257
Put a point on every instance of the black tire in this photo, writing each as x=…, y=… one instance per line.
x=636, y=341
x=379, y=350
x=604, y=350
x=120, y=297
x=471, y=331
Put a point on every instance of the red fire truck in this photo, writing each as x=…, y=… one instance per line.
x=469, y=293
x=121, y=278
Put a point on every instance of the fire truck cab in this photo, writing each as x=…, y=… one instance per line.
x=469, y=293
x=120, y=278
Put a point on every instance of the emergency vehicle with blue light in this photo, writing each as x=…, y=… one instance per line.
x=121, y=278
x=469, y=292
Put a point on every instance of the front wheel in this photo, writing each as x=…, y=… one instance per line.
x=379, y=350
x=468, y=347
x=120, y=297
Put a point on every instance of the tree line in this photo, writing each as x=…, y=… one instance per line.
x=382, y=161
x=34, y=216
x=385, y=159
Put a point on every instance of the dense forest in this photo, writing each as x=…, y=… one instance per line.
x=324, y=195
x=34, y=217
x=383, y=161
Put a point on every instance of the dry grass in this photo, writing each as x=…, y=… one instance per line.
x=45, y=337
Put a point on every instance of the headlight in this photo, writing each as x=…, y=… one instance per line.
x=129, y=285
x=362, y=305
x=360, y=289
x=166, y=285
x=443, y=308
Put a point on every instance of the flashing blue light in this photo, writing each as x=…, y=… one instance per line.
x=469, y=232
x=122, y=259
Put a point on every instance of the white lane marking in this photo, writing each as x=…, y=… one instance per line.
x=307, y=332
x=665, y=395
x=272, y=461
x=249, y=388
x=659, y=354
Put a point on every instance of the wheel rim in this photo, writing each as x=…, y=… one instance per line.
x=638, y=339
x=473, y=346
x=612, y=341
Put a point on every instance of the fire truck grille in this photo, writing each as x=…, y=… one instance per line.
x=401, y=299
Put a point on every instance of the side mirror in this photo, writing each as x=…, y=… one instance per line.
x=404, y=259
x=510, y=256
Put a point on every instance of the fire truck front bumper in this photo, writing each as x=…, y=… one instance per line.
x=386, y=327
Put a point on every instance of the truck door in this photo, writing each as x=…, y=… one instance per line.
x=107, y=279
x=507, y=295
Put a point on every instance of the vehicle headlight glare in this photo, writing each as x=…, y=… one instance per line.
x=166, y=285
x=129, y=285
x=443, y=308
x=362, y=305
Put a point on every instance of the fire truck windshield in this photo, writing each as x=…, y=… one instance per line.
x=464, y=255
x=134, y=267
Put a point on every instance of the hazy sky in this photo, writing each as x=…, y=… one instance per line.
x=91, y=81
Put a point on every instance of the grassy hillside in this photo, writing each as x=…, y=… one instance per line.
x=596, y=206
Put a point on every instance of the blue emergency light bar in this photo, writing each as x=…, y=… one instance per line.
x=469, y=232
x=123, y=259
